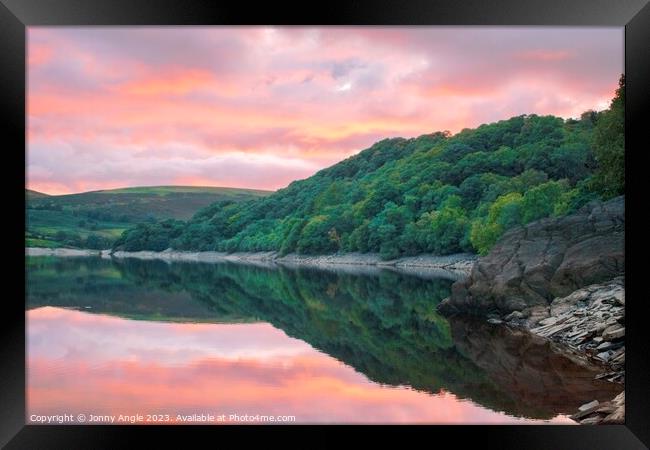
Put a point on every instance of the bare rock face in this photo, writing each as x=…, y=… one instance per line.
x=531, y=265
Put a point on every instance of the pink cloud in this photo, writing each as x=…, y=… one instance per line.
x=129, y=99
x=178, y=81
x=544, y=55
x=39, y=54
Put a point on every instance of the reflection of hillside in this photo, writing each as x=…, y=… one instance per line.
x=98, y=286
x=385, y=326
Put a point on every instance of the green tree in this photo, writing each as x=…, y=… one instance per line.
x=609, y=146
x=540, y=200
x=504, y=213
x=97, y=242
x=290, y=242
x=443, y=231
x=315, y=237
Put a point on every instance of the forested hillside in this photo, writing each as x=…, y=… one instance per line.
x=435, y=194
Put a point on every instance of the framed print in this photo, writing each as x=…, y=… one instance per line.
x=390, y=219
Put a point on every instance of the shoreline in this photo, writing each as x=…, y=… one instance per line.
x=63, y=252
x=590, y=324
x=455, y=266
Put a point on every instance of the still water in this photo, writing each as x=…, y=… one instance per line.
x=155, y=342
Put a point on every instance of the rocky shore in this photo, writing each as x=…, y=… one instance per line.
x=461, y=262
x=594, y=413
x=589, y=322
x=64, y=252
x=562, y=279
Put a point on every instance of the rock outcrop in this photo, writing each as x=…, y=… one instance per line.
x=534, y=264
x=562, y=280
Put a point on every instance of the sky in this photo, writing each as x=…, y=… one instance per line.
x=259, y=107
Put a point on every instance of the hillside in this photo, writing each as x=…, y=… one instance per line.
x=69, y=220
x=436, y=193
x=30, y=194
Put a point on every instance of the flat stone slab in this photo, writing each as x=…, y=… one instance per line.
x=613, y=332
x=586, y=409
x=609, y=346
x=589, y=405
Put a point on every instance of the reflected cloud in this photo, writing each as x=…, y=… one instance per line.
x=96, y=364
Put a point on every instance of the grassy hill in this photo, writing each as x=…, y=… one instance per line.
x=436, y=193
x=70, y=220
x=34, y=194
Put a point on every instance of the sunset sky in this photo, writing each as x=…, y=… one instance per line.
x=258, y=107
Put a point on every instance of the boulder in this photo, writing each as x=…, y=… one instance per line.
x=515, y=315
x=534, y=264
x=614, y=332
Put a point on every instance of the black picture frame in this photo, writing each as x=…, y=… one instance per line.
x=16, y=15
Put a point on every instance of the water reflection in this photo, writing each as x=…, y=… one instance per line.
x=325, y=347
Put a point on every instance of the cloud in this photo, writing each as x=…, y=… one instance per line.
x=544, y=55
x=343, y=68
x=209, y=104
x=172, y=164
x=344, y=87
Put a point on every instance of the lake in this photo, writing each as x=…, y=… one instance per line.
x=133, y=341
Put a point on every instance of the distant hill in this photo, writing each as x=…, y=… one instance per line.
x=68, y=220
x=142, y=203
x=34, y=194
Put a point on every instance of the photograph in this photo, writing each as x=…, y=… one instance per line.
x=325, y=225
